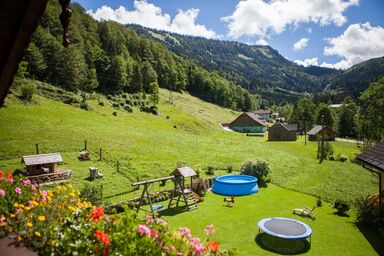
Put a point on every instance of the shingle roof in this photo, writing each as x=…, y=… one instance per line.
x=184, y=171
x=374, y=156
x=256, y=118
x=315, y=130
x=42, y=159
x=291, y=127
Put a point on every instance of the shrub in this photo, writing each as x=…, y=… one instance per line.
x=27, y=90
x=343, y=158
x=369, y=213
x=128, y=109
x=93, y=194
x=115, y=105
x=129, y=102
x=200, y=187
x=122, y=103
x=153, y=110
x=167, y=117
x=109, y=97
x=101, y=103
x=124, y=95
x=319, y=203
x=229, y=168
x=341, y=206
x=84, y=105
x=257, y=168
x=114, y=113
x=211, y=170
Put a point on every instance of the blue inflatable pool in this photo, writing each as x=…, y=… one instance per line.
x=235, y=185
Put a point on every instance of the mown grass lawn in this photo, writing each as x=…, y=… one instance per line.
x=150, y=146
x=236, y=227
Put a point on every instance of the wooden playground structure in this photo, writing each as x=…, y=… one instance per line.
x=180, y=190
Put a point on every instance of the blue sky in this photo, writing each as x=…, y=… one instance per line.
x=330, y=33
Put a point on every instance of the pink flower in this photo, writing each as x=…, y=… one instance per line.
x=10, y=178
x=2, y=192
x=197, y=246
x=149, y=219
x=26, y=182
x=30, y=203
x=144, y=230
x=185, y=232
x=161, y=222
x=209, y=229
x=34, y=186
x=18, y=190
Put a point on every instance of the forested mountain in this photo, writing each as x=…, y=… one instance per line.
x=110, y=58
x=260, y=69
x=357, y=78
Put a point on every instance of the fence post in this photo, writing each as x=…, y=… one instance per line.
x=85, y=145
x=117, y=165
x=37, y=149
x=100, y=155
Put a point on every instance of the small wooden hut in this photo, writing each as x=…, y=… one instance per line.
x=317, y=131
x=248, y=122
x=282, y=132
x=181, y=173
x=373, y=160
x=41, y=164
x=180, y=190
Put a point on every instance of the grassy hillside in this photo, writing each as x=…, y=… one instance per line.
x=151, y=146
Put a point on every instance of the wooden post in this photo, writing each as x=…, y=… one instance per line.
x=117, y=165
x=101, y=191
x=37, y=149
x=100, y=155
x=85, y=145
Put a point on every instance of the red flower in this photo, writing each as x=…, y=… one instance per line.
x=97, y=214
x=212, y=246
x=2, y=175
x=103, y=237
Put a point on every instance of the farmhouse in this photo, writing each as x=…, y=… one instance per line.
x=41, y=164
x=282, y=132
x=373, y=160
x=265, y=114
x=317, y=131
x=248, y=122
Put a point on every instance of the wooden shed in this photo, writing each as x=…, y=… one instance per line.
x=41, y=164
x=282, y=132
x=248, y=122
x=373, y=160
x=317, y=131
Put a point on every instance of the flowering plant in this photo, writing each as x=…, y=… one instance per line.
x=57, y=222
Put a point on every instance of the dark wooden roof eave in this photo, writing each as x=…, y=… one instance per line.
x=373, y=158
x=27, y=25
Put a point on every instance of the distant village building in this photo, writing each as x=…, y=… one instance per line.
x=317, y=131
x=248, y=122
x=265, y=114
x=282, y=132
x=41, y=164
x=335, y=105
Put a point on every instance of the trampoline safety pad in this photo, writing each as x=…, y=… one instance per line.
x=285, y=228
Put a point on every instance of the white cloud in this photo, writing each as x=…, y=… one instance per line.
x=307, y=62
x=301, y=44
x=149, y=15
x=261, y=42
x=258, y=17
x=309, y=30
x=359, y=42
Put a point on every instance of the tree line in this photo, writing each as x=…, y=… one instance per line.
x=110, y=58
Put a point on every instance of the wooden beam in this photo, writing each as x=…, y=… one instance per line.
x=19, y=43
x=152, y=181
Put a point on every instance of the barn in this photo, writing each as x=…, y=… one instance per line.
x=265, y=114
x=282, y=132
x=317, y=131
x=248, y=122
x=41, y=164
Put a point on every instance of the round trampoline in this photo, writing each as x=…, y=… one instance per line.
x=285, y=228
x=235, y=185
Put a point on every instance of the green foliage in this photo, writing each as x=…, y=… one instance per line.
x=324, y=115
x=154, y=93
x=328, y=150
x=341, y=206
x=229, y=168
x=369, y=213
x=346, y=126
x=210, y=170
x=200, y=187
x=319, y=203
x=93, y=194
x=112, y=58
x=257, y=168
x=27, y=90
x=303, y=114
x=371, y=118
